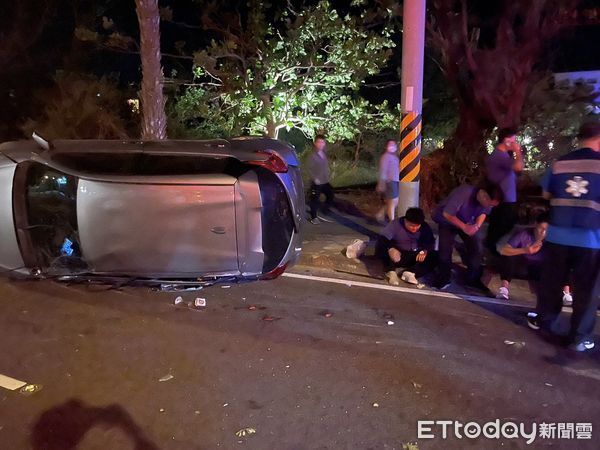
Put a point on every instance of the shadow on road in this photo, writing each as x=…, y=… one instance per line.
x=64, y=427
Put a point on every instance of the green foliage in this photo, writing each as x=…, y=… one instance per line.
x=302, y=70
x=551, y=116
x=81, y=107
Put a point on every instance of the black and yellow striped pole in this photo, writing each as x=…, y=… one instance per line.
x=413, y=43
x=410, y=147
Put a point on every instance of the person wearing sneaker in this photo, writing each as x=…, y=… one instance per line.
x=318, y=170
x=462, y=213
x=572, y=184
x=522, y=257
x=408, y=244
x=389, y=181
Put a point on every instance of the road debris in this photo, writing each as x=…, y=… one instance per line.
x=410, y=446
x=245, y=432
x=178, y=300
x=166, y=378
x=251, y=308
x=225, y=287
x=200, y=302
x=375, y=405
x=178, y=288
x=390, y=322
x=268, y=318
x=356, y=249
x=162, y=410
x=548, y=384
x=30, y=389
x=326, y=314
x=516, y=344
x=417, y=386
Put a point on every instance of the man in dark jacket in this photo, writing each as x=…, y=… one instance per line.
x=573, y=240
x=407, y=243
x=318, y=170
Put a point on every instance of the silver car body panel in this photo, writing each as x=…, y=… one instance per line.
x=10, y=256
x=137, y=228
x=248, y=206
x=131, y=224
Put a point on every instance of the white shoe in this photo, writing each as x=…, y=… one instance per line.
x=380, y=217
x=409, y=277
x=324, y=219
x=503, y=293
x=392, y=278
x=567, y=299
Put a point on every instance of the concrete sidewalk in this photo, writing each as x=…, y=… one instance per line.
x=323, y=253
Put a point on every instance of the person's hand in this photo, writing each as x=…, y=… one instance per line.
x=534, y=248
x=470, y=230
x=421, y=255
x=395, y=255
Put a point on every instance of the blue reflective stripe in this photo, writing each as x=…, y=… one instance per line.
x=575, y=237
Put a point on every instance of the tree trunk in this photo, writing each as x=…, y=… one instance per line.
x=267, y=111
x=154, y=119
x=357, y=149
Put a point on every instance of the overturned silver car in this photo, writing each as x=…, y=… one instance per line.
x=184, y=211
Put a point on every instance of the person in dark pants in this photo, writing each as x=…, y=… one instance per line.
x=522, y=256
x=318, y=170
x=407, y=243
x=501, y=170
x=573, y=241
x=462, y=213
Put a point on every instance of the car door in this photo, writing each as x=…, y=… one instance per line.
x=159, y=226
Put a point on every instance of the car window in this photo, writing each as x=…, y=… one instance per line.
x=146, y=164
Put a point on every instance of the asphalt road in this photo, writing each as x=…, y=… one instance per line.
x=324, y=371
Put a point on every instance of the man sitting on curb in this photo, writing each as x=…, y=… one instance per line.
x=407, y=243
x=523, y=254
x=463, y=212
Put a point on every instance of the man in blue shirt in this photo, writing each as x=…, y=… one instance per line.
x=501, y=170
x=463, y=213
x=407, y=243
x=573, y=240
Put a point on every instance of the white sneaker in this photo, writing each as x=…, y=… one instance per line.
x=567, y=299
x=392, y=278
x=324, y=219
x=409, y=277
x=380, y=217
x=503, y=293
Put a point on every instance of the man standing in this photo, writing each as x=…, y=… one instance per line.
x=501, y=170
x=463, y=212
x=407, y=243
x=318, y=170
x=573, y=240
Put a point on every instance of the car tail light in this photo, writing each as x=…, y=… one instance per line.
x=276, y=272
x=274, y=162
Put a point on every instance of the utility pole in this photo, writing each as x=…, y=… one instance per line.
x=413, y=44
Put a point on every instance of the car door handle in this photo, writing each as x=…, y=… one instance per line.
x=218, y=230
